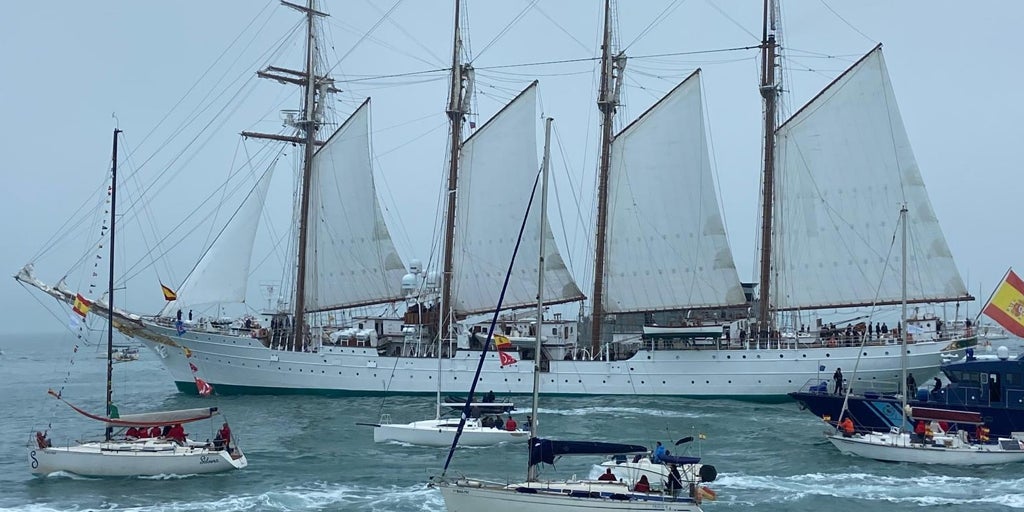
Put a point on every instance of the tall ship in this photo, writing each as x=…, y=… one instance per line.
x=662, y=261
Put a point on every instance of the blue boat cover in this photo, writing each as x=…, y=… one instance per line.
x=545, y=450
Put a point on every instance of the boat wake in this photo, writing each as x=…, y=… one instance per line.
x=920, y=490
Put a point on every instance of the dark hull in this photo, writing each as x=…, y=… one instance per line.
x=883, y=412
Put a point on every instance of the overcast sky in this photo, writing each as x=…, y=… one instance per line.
x=955, y=68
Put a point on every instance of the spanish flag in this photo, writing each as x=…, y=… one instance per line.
x=502, y=342
x=82, y=305
x=1006, y=306
x=169, y=294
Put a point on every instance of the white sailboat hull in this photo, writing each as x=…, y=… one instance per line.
x=899, y=448
x=474, y=495
x=123, y=459
x=238, y=364
x=441, y=433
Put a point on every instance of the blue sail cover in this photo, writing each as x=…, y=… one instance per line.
x=545, y=450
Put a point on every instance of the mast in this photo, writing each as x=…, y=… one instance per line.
x=903, y=315
x=769, y=92
x=110, y=285
x=531, y=471
x=607, y=103
x=456, y=113
x=308, y=125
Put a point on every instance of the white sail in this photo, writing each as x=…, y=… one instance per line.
x=222, y=274
x=845, y=168
x=498, y=169
x=667, y=246
x=350, y=258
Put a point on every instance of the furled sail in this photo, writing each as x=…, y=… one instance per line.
x=845, y=167
x=498, y=168
x=222, y=274
x=667, y=246
x=350, y=257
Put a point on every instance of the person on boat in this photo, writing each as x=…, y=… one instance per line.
x=155, y=432
x=510, y=423
x=42, y=441
x=675, y=481
x=608, y=476
x=489, y=397
x=177, y=433
x=223, y=439
x=132, y=434
x=659, y=452
x=911, y=384
x=847, y=426
x=529, y=422
x=838, y=377
x=920, y=430
x=938, y=385
x=642, y=485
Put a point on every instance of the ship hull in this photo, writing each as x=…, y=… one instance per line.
x=243, y=365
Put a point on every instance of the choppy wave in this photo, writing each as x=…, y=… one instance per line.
x=923, y=490
x=316, y=496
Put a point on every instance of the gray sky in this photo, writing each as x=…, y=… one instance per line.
x=70, y=65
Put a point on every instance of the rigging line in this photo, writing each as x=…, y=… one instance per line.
x=563, y=29
x=848, y=24
x=205, y=73
x=365, y=36
x=655, y=22
x=505, y=30
x=135, y=267
x=426, y=48
x=572, y=190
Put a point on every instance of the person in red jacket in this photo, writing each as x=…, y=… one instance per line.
x=177, y=433
x=510, y=424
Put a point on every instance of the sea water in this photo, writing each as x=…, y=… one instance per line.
x=308, y=453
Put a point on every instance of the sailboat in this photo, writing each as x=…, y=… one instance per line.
x=135, y=455
x=678, y=258
x=926, y=445
x=466, y=494
x=978, y=384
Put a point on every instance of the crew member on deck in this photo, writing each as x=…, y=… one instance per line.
x=608, y=476
x=510, y=424
x=659, y=452
x=847, y=426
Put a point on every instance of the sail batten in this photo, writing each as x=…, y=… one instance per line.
x=498, y=169
x=667, y=247
x=846, y=168
x=351, y=258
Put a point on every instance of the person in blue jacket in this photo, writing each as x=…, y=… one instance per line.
x=659, y=452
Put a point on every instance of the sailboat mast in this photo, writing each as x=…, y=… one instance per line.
x=456, y=113
x=903, y=315
x=607, y=103
x=769, y=92
x=110, y=284
x=309, y=127
x=531, y=472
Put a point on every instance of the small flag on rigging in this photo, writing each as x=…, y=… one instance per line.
x=169, y=294
x=82, y=305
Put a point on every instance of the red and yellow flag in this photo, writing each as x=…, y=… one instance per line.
x=169, y=294
x=82, y=305
x=1006, y=306
x=502, y=342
